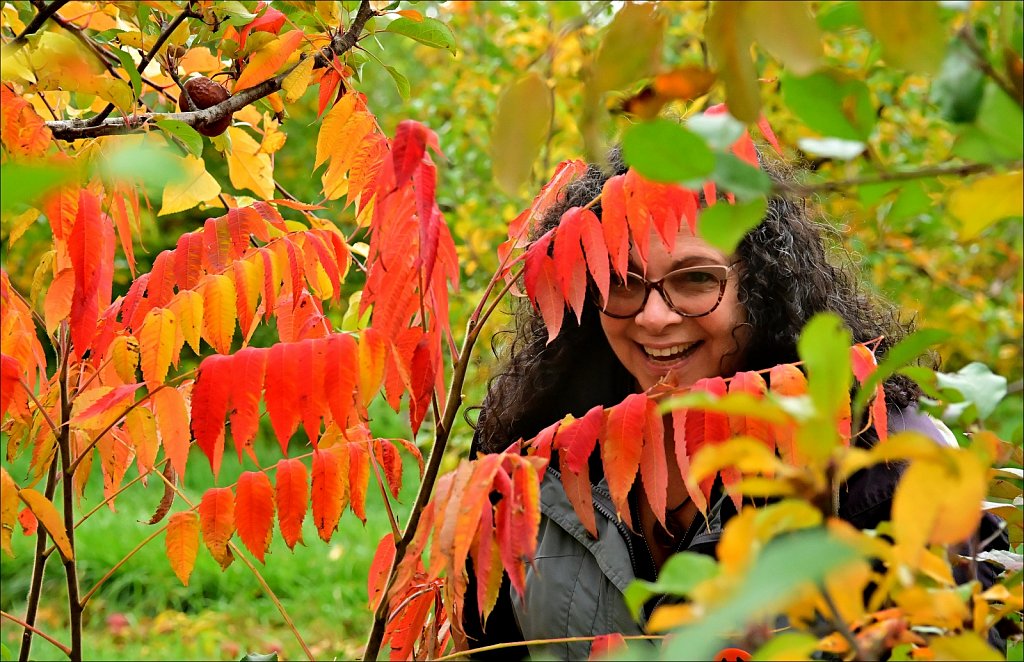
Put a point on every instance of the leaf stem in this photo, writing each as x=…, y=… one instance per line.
x=38, y=570
x=966, y=35
x=68, y=493
x=384, y=493
x=39, y=406
x=64, y=649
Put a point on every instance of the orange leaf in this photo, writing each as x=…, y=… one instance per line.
x=265, y=62
x=577, y=440
x=606, y=644
x=390, y=463
x=10, y=391
x=182, y=543
x=329, y=494
x=487, y=564
x=57, y=304
x=44, y=511
x=219, y=312
x=621, y=447
x=217, y=521
x=787, y=380
x=372, y=352
x=704, y=428
x=653, y=464
x=578, y=490
x=442, y=552
x=254, y=512
x=379, y=568
x=358, y=478
x=613, y=222
x=341, y=376
x=292, y=497
x=172, y=422
x=156, y=344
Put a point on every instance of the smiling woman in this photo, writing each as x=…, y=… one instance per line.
x=678, y=311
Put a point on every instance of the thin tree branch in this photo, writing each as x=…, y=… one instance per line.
x=966, y=35
x=64, y=649
x=38, y=569
x=898, y=176
x=559, y=640
x=67, y=490
x=39, y=406
x=165, y=34
x=37, y=22
x=841, y=625
x=70, y=130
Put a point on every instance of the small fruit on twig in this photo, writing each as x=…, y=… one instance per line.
x=205, y=93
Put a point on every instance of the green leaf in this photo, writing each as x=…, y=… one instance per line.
x=733, y=403
x=728, y=38
x=630, y=50
x=723, y=225
x=739, y=177
x=132, y=69
x=831, y=105
x=835, y=17
x=787, y=646
x=958, y=89
x=898, y=356
x=720, y=130
x=664, y=151
x=978, y=385
x=824, y=347
x=521, y=127
x=1002, y=120
x=782, y=569
x=787, y=31
x=680, y=574
x=24, y=183
x=153, y=166
x=189, y=137
x=430, y=32
x=401, y=82
x=910, y=31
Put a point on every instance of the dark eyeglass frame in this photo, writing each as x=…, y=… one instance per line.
x=658, y=285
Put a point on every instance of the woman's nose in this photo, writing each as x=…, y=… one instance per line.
x=656, y=314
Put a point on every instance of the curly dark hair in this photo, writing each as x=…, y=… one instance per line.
x=787, y=278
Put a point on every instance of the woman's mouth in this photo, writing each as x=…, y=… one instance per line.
x=669, y=355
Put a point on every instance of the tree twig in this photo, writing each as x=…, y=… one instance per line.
x=897, y=176
x=70, y=130
x=64, y=649
x=37, y=22
x=165, y=34
x=966, y=35
x=841, y=626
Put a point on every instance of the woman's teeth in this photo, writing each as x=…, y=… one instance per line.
x=670, y=353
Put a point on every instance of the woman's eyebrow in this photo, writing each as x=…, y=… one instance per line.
x=697, y=260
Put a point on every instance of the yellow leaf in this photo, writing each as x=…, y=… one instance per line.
x=247, y=166
x=156, y=343
x=219, y=312
x=966, y=646
x=295, y=83
x=187, y=307
x=21, y=223
x=984, y=201
x=910, y=31
x=521, y=128
x=749, y=530
x=8, y=510
x=182, y=543
x=195, y=186
x=124, y=359
x=141, y=427
x=787, y=31
x=728, y=37
x=331, y=127
x=264, y=63
x=631, y=48
x=49, y=518
x=670, y=617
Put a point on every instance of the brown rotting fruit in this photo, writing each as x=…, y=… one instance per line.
x=204, y=94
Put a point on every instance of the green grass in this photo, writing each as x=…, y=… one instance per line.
x=144, y=612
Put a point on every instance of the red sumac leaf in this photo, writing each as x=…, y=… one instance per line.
x=329, y=493
x=182, y=543
x=621, y=447
x=254, y=512
x=210, y=400
x=377, y=576
x=217, y=521
x=292, y=497
x=358, y=478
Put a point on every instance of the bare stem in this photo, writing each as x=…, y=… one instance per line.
x=559, y=640
x=841, y=626
x=67, y=490
x=39, y=406
x=64, y=649
x=38, y=568
x=898, y=176
x=966, y=35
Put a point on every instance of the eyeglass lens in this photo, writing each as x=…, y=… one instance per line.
x=691, y=291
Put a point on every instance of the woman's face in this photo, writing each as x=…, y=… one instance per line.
x=658, y=341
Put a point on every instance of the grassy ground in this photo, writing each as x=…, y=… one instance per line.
x=144, y=612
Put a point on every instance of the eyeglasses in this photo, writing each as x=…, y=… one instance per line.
x=690, y=292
